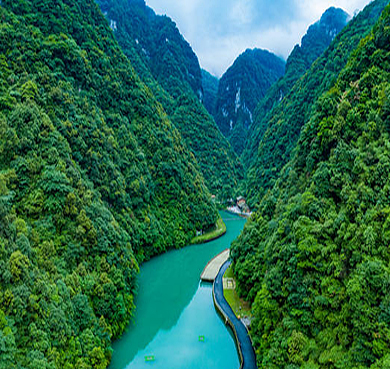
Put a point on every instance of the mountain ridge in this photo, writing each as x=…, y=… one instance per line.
x=168, y=73
x=240, y=89
x=313, y=44
x=276, y=131
x=94, y=178
x=210, y=89
x=313, y=259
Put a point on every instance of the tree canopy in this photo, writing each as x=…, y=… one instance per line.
x=94, y=178
x=314, y=259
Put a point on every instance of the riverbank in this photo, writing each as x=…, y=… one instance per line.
x=219, y=231
x=185, y=312
x=240, y=307
x=236, y=210
x=243, y=341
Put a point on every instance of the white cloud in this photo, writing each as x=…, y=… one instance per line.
x=242, y=12
x=219, y=30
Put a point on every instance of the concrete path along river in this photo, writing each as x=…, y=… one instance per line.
x=173, y=311
x=248, y=354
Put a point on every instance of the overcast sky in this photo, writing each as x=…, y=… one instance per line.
x=220, y=30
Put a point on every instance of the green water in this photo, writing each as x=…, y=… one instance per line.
x=174, y=309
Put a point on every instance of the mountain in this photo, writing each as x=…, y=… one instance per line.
x=210, y=90
x=164, y=51
x=314, y=259
x=240, y=89
x=275, y=132
x=318, y=37
x=170, y=68
x=94, y=177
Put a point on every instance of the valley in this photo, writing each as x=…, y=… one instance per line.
x=120, y=155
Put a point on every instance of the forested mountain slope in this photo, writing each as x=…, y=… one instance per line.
x=279, y=129
x=210, y=90
x=158, y=43
x=316, y=40
x=240, y=90
x=168, y=65
x=93, y=176
x=314, y=259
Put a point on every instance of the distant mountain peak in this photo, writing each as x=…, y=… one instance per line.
x=210, y=89
x=241, y=88
x=169, y=67
x=332, y=22
x=317, y=38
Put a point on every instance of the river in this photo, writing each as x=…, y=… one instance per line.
x=174, y=310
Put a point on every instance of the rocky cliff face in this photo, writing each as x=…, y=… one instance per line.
x=168, y=66
x=241, y=88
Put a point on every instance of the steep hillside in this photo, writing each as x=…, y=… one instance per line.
x=167, y=64
x=164, y=51
x=93, y=176
x=278, y=132
x=240, y=90
x=314, y=260
x=318, y=37
x=210, y=91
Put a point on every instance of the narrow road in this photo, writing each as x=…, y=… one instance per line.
x=244, y=342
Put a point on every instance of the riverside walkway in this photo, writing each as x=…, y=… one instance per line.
x=214, y=265
x=243, y=341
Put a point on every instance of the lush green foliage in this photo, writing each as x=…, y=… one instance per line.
x=158, y=43
x=210, y=91
x=318, y=37
x=218, y=231
x=275, y=132
x=314, y=260
x=240, y=90
x=99, y=171
x=217, y=161
x=93, y=176
x=167, y=64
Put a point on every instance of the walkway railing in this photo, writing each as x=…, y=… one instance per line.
x=241, y=334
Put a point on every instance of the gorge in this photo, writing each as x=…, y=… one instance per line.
x=117, y=149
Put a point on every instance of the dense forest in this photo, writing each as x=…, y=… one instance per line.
x=210, y=90
x=112, y=145
x=239, y=91
x=276, y=132
x=170, y=68
x=316, y=40
x=93, y=178
x=314, y=259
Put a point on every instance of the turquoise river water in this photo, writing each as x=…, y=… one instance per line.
x=174, y=309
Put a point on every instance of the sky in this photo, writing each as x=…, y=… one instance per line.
x=220, y=30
